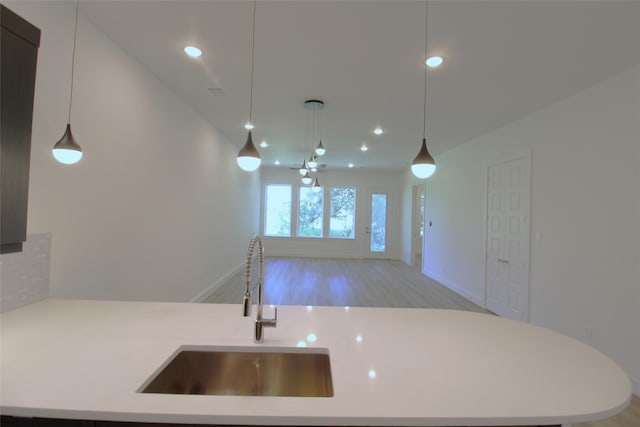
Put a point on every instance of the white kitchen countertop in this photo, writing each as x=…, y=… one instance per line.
x=87, y=359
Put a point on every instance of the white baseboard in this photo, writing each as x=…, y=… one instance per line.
x=476, y=299
x=289, y=254
x=218, y=284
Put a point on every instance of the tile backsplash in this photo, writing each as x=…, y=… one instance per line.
x=24, y=276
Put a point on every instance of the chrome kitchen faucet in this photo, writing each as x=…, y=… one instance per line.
x=260, y=322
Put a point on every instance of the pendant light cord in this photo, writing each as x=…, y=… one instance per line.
x=253, y=44
x=307, y=127
x=424, y=118
x=73, y=60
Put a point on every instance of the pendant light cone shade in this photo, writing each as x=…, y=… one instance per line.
x=320, y=149
x=423, y=165
x=316, y=186
x=67, y=150
x=306, y=179
x=313, y=162
x=303, y=169
x=248, y=158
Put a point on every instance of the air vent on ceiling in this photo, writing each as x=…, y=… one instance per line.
x=218, y=91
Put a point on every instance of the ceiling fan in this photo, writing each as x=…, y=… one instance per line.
x=321, y=167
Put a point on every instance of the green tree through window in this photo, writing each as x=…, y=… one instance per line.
x=342, y=215
x=310, y=211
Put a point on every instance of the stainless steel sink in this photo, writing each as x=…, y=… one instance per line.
x=245, y=371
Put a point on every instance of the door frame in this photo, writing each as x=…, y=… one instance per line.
x=528, y=155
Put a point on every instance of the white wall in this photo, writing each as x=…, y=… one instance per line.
x=585, y=269
x=408, y=181
x=364, y=181
x=156, y=209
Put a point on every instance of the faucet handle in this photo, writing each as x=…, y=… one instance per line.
x=271, y=323
x=260, y=324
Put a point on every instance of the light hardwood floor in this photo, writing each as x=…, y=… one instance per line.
x=366, y=283
x=340, y=282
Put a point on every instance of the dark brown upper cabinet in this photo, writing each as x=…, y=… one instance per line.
x=20, y=41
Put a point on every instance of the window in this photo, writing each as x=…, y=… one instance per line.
x=311, y=219
x=310, y=210
x=342, y=214
x=277, y=218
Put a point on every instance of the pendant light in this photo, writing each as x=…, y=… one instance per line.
x=313, y=162
x=306, y=179
x=67, y=150
x=316, y=186
x=313, y=108
x=249, y=158
x=319, y=150
x=423, y=165
x=303, y=168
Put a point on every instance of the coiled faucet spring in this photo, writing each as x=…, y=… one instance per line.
x=260, y=322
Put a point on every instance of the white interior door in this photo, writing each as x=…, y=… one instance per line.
x=507, y=251
x=377, y=226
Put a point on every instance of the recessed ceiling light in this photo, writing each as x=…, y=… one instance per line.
x=248, y=126
x=378, y=131
x=192, y=51
x=264, y=144
x=364, y=147
x=277, y=162
x=434, y=61
x=350, y=165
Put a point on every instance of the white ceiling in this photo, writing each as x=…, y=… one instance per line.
x=364, y=59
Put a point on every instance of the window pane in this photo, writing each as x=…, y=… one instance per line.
x=310, y=213
x=378, y=222
x=341, y=221
x=277, y=216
